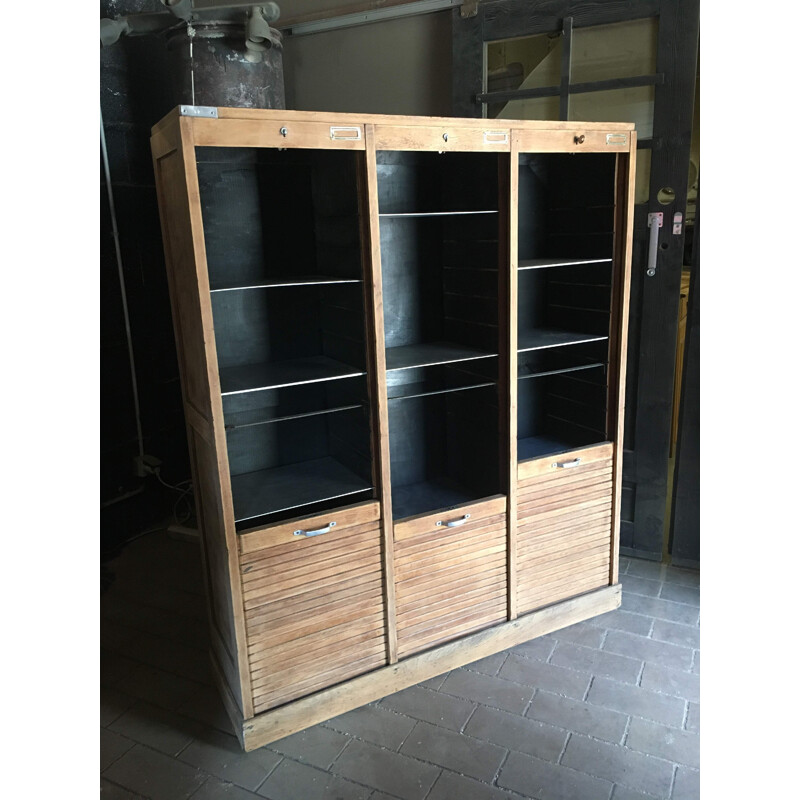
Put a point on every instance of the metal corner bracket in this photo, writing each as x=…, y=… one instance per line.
x=199, y=111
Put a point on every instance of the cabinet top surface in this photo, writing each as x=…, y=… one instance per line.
x=335, y=117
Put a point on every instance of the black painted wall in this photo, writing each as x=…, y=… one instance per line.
x=135, y=92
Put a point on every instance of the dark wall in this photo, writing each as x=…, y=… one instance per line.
x=134, y=94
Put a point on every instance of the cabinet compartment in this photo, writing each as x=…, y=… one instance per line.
x=564, y=529
x=282, y=234
x=444, y=450
x=564, y=297
x=439, y=229
x=450, y=574
x=313, y=603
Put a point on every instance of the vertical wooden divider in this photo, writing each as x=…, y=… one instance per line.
x=618, y=350
x=509, y=198
x=368, y=192
x=217, y=422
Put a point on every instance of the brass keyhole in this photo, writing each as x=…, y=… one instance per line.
x=580, y=139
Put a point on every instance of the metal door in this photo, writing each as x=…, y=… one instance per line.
x=610, y=61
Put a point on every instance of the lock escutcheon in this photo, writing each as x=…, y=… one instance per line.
x=580, y=139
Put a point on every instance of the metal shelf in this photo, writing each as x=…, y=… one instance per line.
x=546, y=263
x=408, y=214
x=428, y=355
x=541, y=338
x=431, y=495
x=273, y=283
x=561, y=371
x=537, y=446
x=264, y=416
x=277, y=374
x=269, y=491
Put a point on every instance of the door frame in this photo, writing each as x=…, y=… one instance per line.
x=654, y=300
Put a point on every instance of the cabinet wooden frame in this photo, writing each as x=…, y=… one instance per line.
x=243, y=606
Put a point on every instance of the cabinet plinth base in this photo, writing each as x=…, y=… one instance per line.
x=295, y=716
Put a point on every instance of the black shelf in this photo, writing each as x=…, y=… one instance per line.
x=275, y=375
x=406, y=391
x=537, y=446
x=426, y=496
x=269, y=491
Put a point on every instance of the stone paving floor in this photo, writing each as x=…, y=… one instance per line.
x=608, y=709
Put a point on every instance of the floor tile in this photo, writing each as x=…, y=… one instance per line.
x=221, y=755
x=462, y=754
x=641, y=648
x=675, y=633
x=456, y=787
x=619, y=764
x=155, y=775
x=671, y=681
x=532, y=777
x=490, y=691
x=429, y=706
x=643, y=586
x=539, y=675
x=112, y=746
x=575, y=715
x=214, y=789
x=389, y=772
x=680, y=747
x=295, y=781
x=681, y=594
x=375, y=724
x=582, y=634
x=110, y=791
x=637, y=702
x=687, y=784
x=489, y=665
x=113, y=704
x=624, y=621
x=317, y=746
x=661, y=609
x=156, y=727
x=541, y=648
x=598, y=662
x=512, y=732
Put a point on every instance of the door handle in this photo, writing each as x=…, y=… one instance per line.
x=317, y=532
x=654, y=222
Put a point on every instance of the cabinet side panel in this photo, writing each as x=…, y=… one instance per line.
x=215, y=560
x=223, y=585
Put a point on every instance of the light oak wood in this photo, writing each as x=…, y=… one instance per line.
x=305, y=628
x=548, y=464
x=254, y=541
x=579, y=139
x=271, y=726
x=430, y=523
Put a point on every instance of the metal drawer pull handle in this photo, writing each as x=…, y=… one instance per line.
x=616, y=138
x=317, y=532
x=346, y=133
x=567, y=464
x=454, y=523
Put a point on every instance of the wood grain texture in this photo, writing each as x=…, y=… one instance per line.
x=443, y=138
x=374, y=280
x=450, y=581
x=548, y=464
x=564, y=534
x=271, y=726
x=316, y=618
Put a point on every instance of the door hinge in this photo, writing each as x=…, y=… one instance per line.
x=199, y=111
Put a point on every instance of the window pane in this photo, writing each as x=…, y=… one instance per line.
x=621, y=50
x=635, y=105
x=531, y=62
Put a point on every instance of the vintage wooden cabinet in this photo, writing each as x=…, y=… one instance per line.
x=402, y=352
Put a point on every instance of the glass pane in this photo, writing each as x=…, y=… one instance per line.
x=621, y=50
x=634, y=104
x=531, y=62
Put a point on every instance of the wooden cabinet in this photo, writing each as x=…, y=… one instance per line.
x=402, y=352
